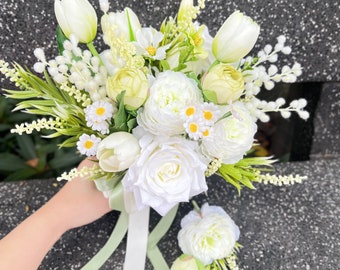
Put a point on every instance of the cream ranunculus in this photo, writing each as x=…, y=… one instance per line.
x=168, y=171
x=133, y=82
x=124, y=24
x=117, y=151
x=208, y=235
x=169, y=94
x=223, y=84
x=232, y=137
x=186, y=262
x=76, y=17
x=235, y=38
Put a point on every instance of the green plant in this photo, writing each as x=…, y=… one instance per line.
x=24, y=157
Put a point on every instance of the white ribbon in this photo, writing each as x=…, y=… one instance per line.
x=137, y=240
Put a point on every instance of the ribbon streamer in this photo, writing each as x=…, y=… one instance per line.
x=137, y=240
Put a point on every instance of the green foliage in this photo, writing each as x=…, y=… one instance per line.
x=245, y=172
x=24, y=157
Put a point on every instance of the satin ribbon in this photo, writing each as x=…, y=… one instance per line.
x=139, y=242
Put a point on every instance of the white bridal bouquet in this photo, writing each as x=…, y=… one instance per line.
x=159, y=111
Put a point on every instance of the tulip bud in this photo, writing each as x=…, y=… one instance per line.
x=186, y=262
x=76, y=17
x=117, y=151
x=235, y=38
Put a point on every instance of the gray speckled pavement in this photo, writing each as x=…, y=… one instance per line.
x=282, y=228
x=311, y=26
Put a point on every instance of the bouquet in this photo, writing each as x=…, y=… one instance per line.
x=158, y=111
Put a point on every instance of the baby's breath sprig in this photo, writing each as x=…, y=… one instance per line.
x=280, y=180
x=84, y=172
x=40, y=124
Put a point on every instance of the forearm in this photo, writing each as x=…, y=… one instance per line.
x=26, y=246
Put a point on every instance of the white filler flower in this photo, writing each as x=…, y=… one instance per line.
x=170, y=93
x=208, y=235
x=88, y=144
x=167, y=172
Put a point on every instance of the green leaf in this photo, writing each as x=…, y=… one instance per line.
x=22, y=174
x=65, y=160
x=11, y=163
x=120, y=116
x=26, y=147
x=60, y=39
x=165, y=65
x=210, y=96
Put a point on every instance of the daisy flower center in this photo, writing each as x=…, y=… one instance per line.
x=100, y=111
x=151, y=50
x=88, y=144
x=189, y=111
x=193, y=127
x=207, y=115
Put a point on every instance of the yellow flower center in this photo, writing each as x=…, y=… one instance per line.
x=88, y=144
x=206, y=133
x=197, y=40
x=151, y=50
x=100, y=111
x=193, y=127
x=189, y=111
x=207, y=115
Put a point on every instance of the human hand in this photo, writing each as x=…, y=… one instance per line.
x=79, y=202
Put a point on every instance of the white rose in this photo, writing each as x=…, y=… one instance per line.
x=208, y=235
x=167, y=172
x=169, y=94
x=117, y=151
x=232, y=137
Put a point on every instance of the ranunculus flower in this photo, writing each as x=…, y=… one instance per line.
x=169, y=94
x=133, y=82
x=125, y=24
x=232, y=137
x=223, y=84
x=208, y=235
x=76, y=17
x=168, y=171
x=235, y=38
x=186, y=262
x=117, y=151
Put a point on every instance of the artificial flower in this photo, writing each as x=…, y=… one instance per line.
x=148, y=44
x=88, y=144
x=223, y=84
x=233, y=135
x=117, y=151
x=186, y=262
x=124, y=24
x=133, y=82
x=168, y=171
x=236, y=37
x=97, y=114
x=169, y=94
x=208, y=235
x=76, y=17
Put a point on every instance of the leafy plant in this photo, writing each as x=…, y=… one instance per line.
x=24, y=157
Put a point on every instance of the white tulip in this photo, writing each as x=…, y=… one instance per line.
x=235, y=38
x=76, y=17
x=117, y=151
x=125, y=24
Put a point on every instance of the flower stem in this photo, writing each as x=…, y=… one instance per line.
x=94, y=51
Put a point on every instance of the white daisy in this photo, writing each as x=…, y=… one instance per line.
x=210, y=113
x=147, y=43
x=88, y=144
x=97, y=114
